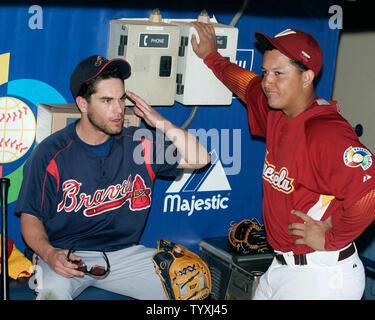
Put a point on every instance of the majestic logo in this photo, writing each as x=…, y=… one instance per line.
x=214, y=180
x=105, y=200
x=357, y=157
x=279, y=180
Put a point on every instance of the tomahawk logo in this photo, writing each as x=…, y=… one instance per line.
x=195, y=192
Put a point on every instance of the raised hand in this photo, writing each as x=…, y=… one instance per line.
x=207, y=39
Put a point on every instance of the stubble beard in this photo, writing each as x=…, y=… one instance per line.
x=103, y=127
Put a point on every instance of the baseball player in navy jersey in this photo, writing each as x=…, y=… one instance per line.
x=87, y=189
x=318, y=179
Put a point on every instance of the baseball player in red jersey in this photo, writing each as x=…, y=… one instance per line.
x=318, y=179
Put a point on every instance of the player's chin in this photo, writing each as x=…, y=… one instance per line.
x=273, y=103
x=113, y=130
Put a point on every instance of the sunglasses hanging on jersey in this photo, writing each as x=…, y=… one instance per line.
x=95, y=271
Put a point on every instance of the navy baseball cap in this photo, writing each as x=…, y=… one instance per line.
x=91, y=67
x=296, y=45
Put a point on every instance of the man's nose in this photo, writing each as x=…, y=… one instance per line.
x=118, y=105
x=268, y=79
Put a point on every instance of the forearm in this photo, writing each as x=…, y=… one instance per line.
x=351, y=223
x=234, y=77
x=35, y=236
x=194, y=155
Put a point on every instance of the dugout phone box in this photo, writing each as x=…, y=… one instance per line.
x=196, y=83
x=52, y=117
x=233, y=276
x=151, y=48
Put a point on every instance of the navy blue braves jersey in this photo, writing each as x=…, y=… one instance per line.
x=92, y=202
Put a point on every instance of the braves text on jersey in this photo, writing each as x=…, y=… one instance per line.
x=88, y=201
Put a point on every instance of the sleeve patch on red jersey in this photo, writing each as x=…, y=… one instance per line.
x=357, y=157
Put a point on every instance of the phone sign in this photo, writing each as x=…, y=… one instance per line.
x=153, y=40
x=221, y=42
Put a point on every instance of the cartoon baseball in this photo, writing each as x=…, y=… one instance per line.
x=18, y=125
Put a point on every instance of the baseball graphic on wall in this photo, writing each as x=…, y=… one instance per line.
x=18, y=127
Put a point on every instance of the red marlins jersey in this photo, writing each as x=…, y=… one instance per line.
x=314, y=162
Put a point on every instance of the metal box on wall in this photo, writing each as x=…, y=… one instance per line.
x=196, y=83
x=151, y=48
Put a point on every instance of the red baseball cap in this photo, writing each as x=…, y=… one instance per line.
x=296, y=45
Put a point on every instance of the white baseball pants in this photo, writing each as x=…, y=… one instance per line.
x=132, y=274
x=322, y=278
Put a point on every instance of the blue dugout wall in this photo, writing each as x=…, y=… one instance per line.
x=40, y=46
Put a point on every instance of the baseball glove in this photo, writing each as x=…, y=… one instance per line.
x=183, y=274
x=248, y=236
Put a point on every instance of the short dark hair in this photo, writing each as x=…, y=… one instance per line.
x=296, y=63
x=299, y=65
x=89, y=87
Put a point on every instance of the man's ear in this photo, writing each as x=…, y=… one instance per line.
x=82, y=104
x=308, y=78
